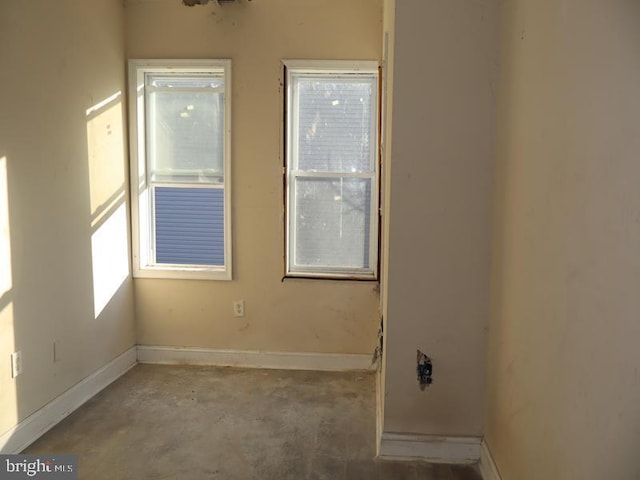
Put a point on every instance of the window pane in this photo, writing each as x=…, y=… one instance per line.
x=335, y=127
x=186, y=134
x=332, y=222
x=189, y=226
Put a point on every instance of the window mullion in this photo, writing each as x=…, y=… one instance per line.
x=152, y=89
x=337, y=175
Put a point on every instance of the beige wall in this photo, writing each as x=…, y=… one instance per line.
x=62, y=193
x=439, y=222
x=294, y=315
x=564, y=382
x=388, y=48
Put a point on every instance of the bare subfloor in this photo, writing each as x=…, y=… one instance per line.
x=187, y=423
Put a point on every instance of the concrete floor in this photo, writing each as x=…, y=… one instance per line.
x=187, y=423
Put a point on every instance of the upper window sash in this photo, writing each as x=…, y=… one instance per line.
x=317, y=72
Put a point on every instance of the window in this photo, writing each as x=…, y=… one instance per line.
x=332, y=169
x=180, y=126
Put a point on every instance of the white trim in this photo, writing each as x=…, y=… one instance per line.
x=379, y=410
x=357, y=69
x=143, y=263
x=312, y=272
x=331, y=175
x=180, y=65
x=488, y=468
x=34, y=426
x=183, y=272
x=432, y=448
x=253, y=359
x=333, y=66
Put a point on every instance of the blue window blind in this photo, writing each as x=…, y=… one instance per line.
x=189, y=226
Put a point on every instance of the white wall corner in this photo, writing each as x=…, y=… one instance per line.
x=487, y=465
x=168, y=355
x=379, y=411
x=37, y=424
x=436, y=449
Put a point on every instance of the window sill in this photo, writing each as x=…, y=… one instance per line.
x=331, y=276
x=183, y=273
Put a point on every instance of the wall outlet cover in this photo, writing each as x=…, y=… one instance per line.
x=16, y=364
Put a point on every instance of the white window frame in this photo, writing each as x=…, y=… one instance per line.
x=328, y=67
x=143, y=266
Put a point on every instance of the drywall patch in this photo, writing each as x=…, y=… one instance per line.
x=424, y=369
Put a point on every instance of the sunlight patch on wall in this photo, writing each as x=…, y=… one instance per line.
x=106, y=156
x=9, y=410
x=109, y=251
x=105, y=140
x=5, y=240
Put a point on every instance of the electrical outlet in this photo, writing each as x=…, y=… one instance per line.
x=238, y=308
x=16, y=364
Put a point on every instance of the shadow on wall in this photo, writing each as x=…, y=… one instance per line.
x=66, y=295
x=110, y=267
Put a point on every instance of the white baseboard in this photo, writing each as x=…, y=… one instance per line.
x=253, y=359
x=35, y=425
x=431, y=448
x=487, y=465
x=379, y=411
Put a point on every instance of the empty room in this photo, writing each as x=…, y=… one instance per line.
x=320, y=239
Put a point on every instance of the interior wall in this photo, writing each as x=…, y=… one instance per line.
x=64, y=270
x=295, y=314
x=441, y=169
x=563, y=376
x=388, y=49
